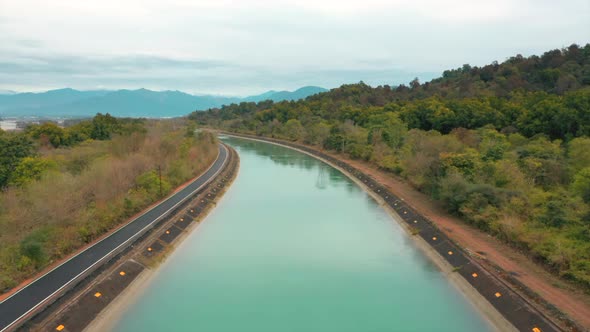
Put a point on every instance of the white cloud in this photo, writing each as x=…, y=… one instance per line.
x=286, y=37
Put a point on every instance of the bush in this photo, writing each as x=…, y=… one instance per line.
x=453, y=192
x=32, y=247
x=581, y=184
x=152, y=184
x=30, y=169
x=6, y=282
x=359, y=151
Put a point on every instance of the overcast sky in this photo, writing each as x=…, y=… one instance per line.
x=250, y=46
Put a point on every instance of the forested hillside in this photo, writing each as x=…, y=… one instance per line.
x=62, y=188
x=505, y=146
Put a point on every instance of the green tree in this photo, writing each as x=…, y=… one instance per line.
x=542, y=161
x=79, y=132
x=49, y=133
x=103, y=126
x=14, y=148
x=150, y=182
x=317, y=133
x=453, y=191
x=550, y=116
x=493, y=145
x=30, y=169
x=429, y=114
x=294, y=130
x=581, y=184
x=578, y=153
x=466, y=163
x=388, y=128
x=335, y=141
x=553, y=212
x=32, y=246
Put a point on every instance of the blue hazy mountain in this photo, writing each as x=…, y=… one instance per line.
x=126, y=103
x=300, y=93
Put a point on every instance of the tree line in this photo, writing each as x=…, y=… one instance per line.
x=18, y=162
x=65, y=187
x=505, y=146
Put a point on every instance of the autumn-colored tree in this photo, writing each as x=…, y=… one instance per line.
x=294, y=130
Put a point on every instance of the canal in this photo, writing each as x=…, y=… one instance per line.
x=294, y=245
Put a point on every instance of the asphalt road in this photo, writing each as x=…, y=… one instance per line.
x=33, y=295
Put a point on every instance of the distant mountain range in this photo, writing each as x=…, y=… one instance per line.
x=126, y=103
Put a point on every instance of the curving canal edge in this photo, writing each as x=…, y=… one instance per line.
x=48, y=288
x=505, y=308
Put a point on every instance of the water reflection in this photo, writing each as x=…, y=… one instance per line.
x=325, y=175
x=322, y=178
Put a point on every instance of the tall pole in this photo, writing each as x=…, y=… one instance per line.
x=160, y=175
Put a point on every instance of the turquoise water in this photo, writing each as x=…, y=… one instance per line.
x=296, y=246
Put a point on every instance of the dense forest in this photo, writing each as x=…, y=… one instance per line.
x=64, y=187
x=504, y=146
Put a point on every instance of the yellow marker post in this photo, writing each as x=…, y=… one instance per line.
x=498, y=294
x=536, y=329
x=181, y=219
x=434, y=238
x=97, y=294
x=450, y=252
x=150, y=249
x=167, y=232
x=60, y=327
x=122, y=273
x=474, y=275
